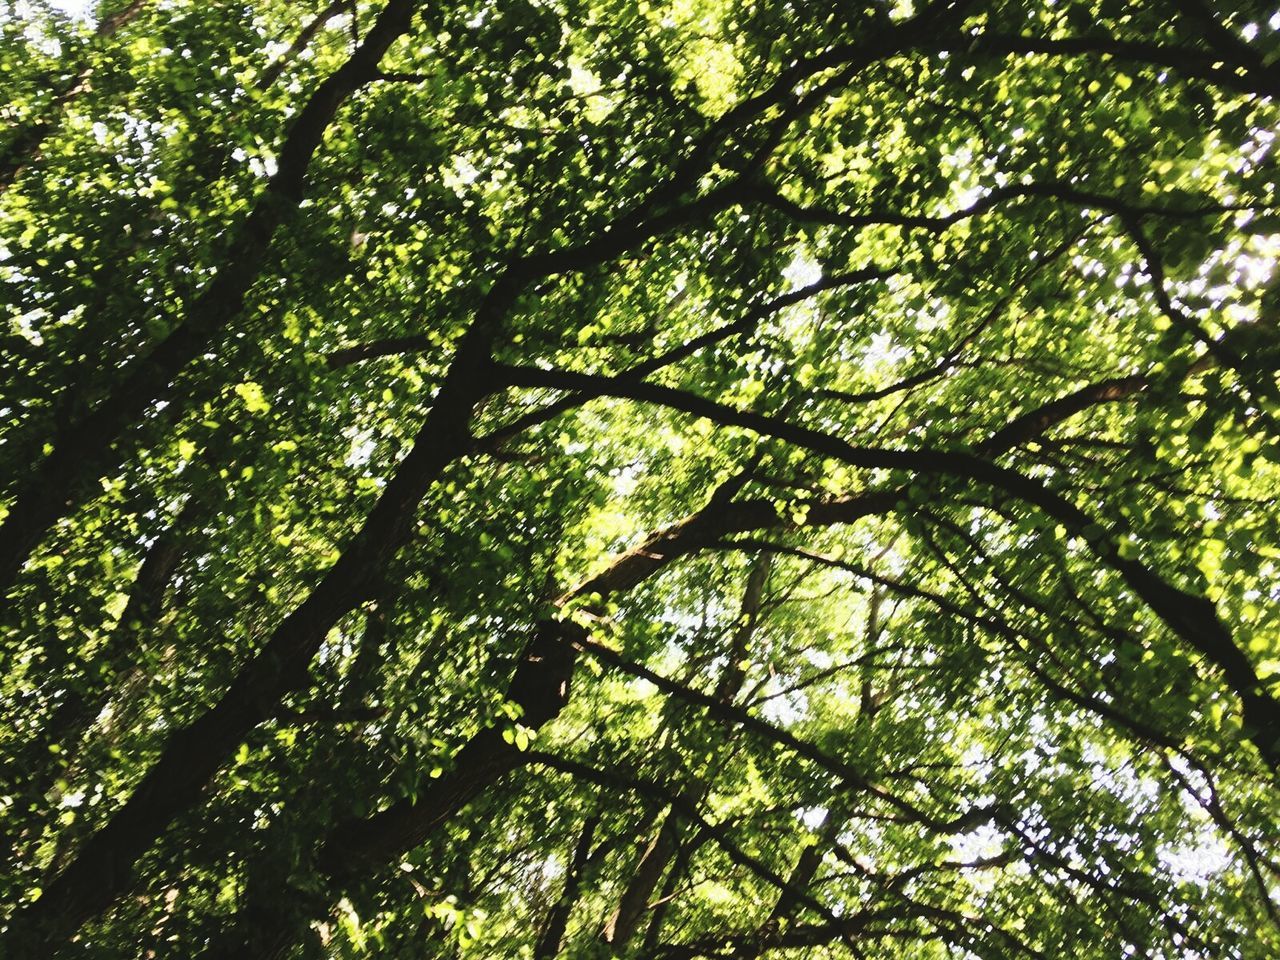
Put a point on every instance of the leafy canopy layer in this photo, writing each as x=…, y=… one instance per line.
x=614, y=478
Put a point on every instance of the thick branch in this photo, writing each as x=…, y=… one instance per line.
x=1191, y=617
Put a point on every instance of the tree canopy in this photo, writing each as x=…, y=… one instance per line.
x=629, y=478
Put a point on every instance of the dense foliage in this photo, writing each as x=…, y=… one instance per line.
x=633, y=478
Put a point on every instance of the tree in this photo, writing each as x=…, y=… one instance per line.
x=636, y=479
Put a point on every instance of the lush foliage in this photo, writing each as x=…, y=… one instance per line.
x=617, y=478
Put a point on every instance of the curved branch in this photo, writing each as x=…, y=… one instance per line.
x=1191, y=617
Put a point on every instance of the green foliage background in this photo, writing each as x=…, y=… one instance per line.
x=604, y=478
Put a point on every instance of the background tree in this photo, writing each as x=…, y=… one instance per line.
x=593, y=478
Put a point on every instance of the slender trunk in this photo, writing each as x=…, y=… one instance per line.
x=657, y=856
x=102, y=871
x=300, y=42
x=93, y=443
x=352, y=850
x=634, y=902
x=868, y=701
x=791, y=895
x=658, y=914
x=551, y=938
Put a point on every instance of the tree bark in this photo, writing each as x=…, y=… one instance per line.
x=1192, y=618
x=357, y=847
